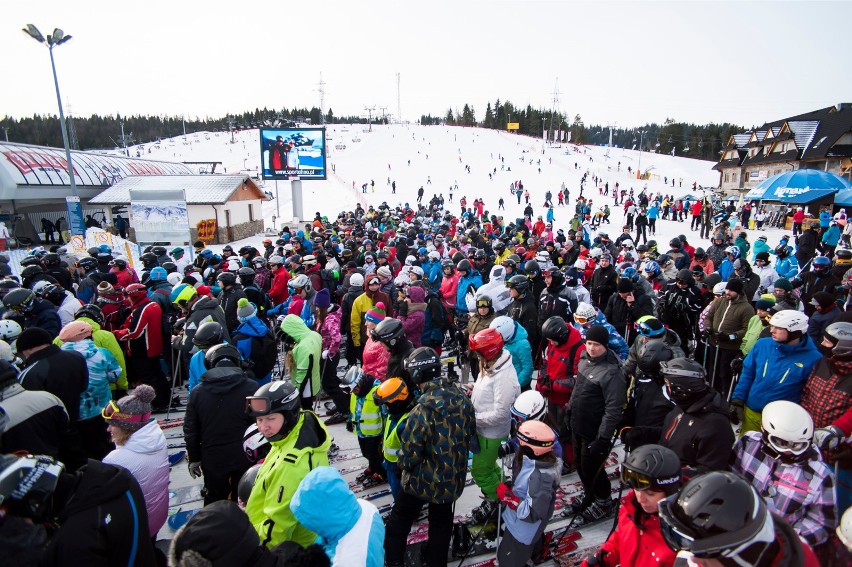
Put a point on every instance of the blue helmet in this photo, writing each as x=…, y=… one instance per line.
x=733, y=251
x=653, y=267
x=158, y=274
x=629, y=273
x=422, y=251
x=650, y=326
x=821, y=264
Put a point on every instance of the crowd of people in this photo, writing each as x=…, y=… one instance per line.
x=724, y=370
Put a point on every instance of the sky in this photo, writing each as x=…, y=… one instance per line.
x=627, y=63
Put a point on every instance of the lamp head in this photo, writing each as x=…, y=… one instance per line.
x=33, y=32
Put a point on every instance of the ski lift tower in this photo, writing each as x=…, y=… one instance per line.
x=554, y=110
x=370, y=110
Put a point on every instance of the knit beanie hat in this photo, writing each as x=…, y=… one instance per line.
x=625, y=285
x=75, y=331
x=245, y=309
x=783, y=283
x=735, y=285
x=106, y=288
x=765, y=303
x=219, y=535
x=823, y=299
x=134, y=410
x=31, y=338
x=385, y=272
x=762, y=256
x=322, y=300
x=598, y=334
x=376, y=314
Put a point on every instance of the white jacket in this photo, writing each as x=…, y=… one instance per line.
x=493, y=395
x=767, y=275
x=146, y=457
x=495, y=289
x=68, y=308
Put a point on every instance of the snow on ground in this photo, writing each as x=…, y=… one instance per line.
x=439, y=154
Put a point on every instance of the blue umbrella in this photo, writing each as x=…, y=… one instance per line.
x=798, y=186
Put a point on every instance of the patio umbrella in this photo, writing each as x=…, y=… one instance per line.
x=798, y=186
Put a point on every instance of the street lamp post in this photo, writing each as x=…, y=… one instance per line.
x=58, y=37
x=641, y=136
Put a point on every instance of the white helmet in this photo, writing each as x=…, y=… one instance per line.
x=788, y=429
x=9, y=330
x=302, y=281
x=409, y=260
x=434, y=255
x=505, y=325
x=529, y=405
x=627, y=243
x=790, y=320
x=356, y=280
x=309, y=260
x=174, y=278
x=417, y=270
x=39, y=286
x=719, y=288
x=6, y=352
x=585, y=311
x=255, y=445
x=596, y=253
x=844, y=529
x=580, y=264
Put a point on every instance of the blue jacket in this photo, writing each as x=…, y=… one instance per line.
x=787, y=267
x=251, y=328
x=775, y=371
x=196, y=369
x=519, y=347
x=831, y=236
x=435, y=274
x=653, y=211
x=355, y=531
x=472, y=278
x=759, y=246
x=617, y=344
x=725, y=269
x=824, y=219
x=535, y=484
x=550, y=215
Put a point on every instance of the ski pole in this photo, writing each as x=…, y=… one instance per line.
x=499, y=513
x=715, y=362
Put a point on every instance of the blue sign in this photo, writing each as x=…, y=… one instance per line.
x=293, y=152
x=76, y=223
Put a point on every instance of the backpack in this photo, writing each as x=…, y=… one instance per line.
x=329, y=282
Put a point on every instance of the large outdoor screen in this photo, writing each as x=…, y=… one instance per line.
x=293, y=152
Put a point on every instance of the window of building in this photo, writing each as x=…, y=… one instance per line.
x=251, y=212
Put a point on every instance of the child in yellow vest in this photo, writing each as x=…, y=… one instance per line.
x=395, y=396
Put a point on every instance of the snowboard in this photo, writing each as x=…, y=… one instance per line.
x=181, y=517
x=175, y=458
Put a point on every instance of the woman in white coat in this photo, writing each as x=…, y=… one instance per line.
x=141, y=448
x=492, y=395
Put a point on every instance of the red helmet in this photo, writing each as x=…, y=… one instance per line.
x=488, y=343
x=136, y=291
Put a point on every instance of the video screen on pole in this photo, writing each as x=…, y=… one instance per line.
x=293, y=152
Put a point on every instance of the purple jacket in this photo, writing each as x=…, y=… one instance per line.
x=414, y=320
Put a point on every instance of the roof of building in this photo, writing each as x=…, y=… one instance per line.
x=199, y=189
x=830, y=130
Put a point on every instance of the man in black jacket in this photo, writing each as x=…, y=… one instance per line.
x=679, y=305
x=216, y=415
x=807, y=245
x=603, y=282
x=699, y=428
x=523, y=310
x=596, y=409
x=629, y=304
x=556, y=299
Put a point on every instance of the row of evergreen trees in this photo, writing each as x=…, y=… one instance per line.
x=700, y=141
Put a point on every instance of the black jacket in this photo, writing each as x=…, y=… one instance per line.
x=701, y=434
x=621, y=316
x=524, y=311
x=396, y=362
x=102, y=519
x=43, y=315
x=678, y=307
x=228, y=300
x=37, y=421
x=603, y=284
x=203, y=310
x=63, y=373
x=216, y=421
x=556, y=299
x=597, y=403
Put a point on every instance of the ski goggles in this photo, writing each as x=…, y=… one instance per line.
x=582, y=320
x=640, y=481
x=113, y=413
x=783, y=445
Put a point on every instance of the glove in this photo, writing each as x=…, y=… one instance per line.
x=507, y=497
x=506, y=448
x=737, y=411
x=325, y=354
x=630, y=436
x=403, y=308
x=828, y=438
x=350, y=426
x=120, y=334
x=194, y=469
x=599, y=447
x=177, y=342
x=737, y=365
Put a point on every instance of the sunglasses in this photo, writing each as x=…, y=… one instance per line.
x=113, y=413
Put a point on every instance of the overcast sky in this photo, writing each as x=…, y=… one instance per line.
x=625, y=62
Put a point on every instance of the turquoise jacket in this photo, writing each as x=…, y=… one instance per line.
x=519, y=347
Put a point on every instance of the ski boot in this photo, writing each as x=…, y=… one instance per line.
x=333, y=450
x=484, y=512
x=337, y=417
x=577, y=505
x=374, y=480
x=462, y=540
x=595, y=512
x=365, y=474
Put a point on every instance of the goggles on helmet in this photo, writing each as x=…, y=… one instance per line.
x=640, y=481
x=113, y=413
x=582, y=320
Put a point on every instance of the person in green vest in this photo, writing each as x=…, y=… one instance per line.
x=300, y=443
x=366, y=420
x=394, y=395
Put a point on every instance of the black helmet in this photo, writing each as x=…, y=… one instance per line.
x=519, y=283
x=423, y=364
x=148, y=260
x=88, y=263
x=684, y=378
x=209, y=334
x=91, y=311
x=781, y=250
x=700, y=253
x=54, y=294
x=555, y=329
x=464, y=266
x=246, y=276
x=279, y=396
x=246, y=484
x=222, y=355
x=31, y=261
x=684, y=275
x=651, y=355
x=841, y=254
x=652, y=466
x=663, y=259
x=227, y=278
x=457, y=257
x=27, y=485
x=719, y=514
x=840, y=336
x=161, y=250
x=652, y=244
x=169, y=267
x=531, y=267
x=480, y=254
x=675, y=243
x=31, y=271
x=119, y=263
x=20, y=300
x=448, y=264
x=51, y=259
x=389, y=331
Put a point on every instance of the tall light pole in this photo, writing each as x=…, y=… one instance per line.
x=641, y=136
x=58, y=37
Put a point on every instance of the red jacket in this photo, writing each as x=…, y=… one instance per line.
x=278, y=292
x=449, y=287
x=124, y=277
x=696, y=208
x=799, y=216
x=314, y=274
x=561, y=366
x=631, y=545
x=143, y=330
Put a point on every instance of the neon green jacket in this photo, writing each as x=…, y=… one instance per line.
x=306, y=353
x=288, y=462
x=107, y=340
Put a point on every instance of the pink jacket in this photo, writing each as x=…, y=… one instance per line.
x=330, y=333
x=375, y=359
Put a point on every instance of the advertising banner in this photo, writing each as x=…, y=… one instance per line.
x=159, y=216
x=513, y=126
x=293, y=152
